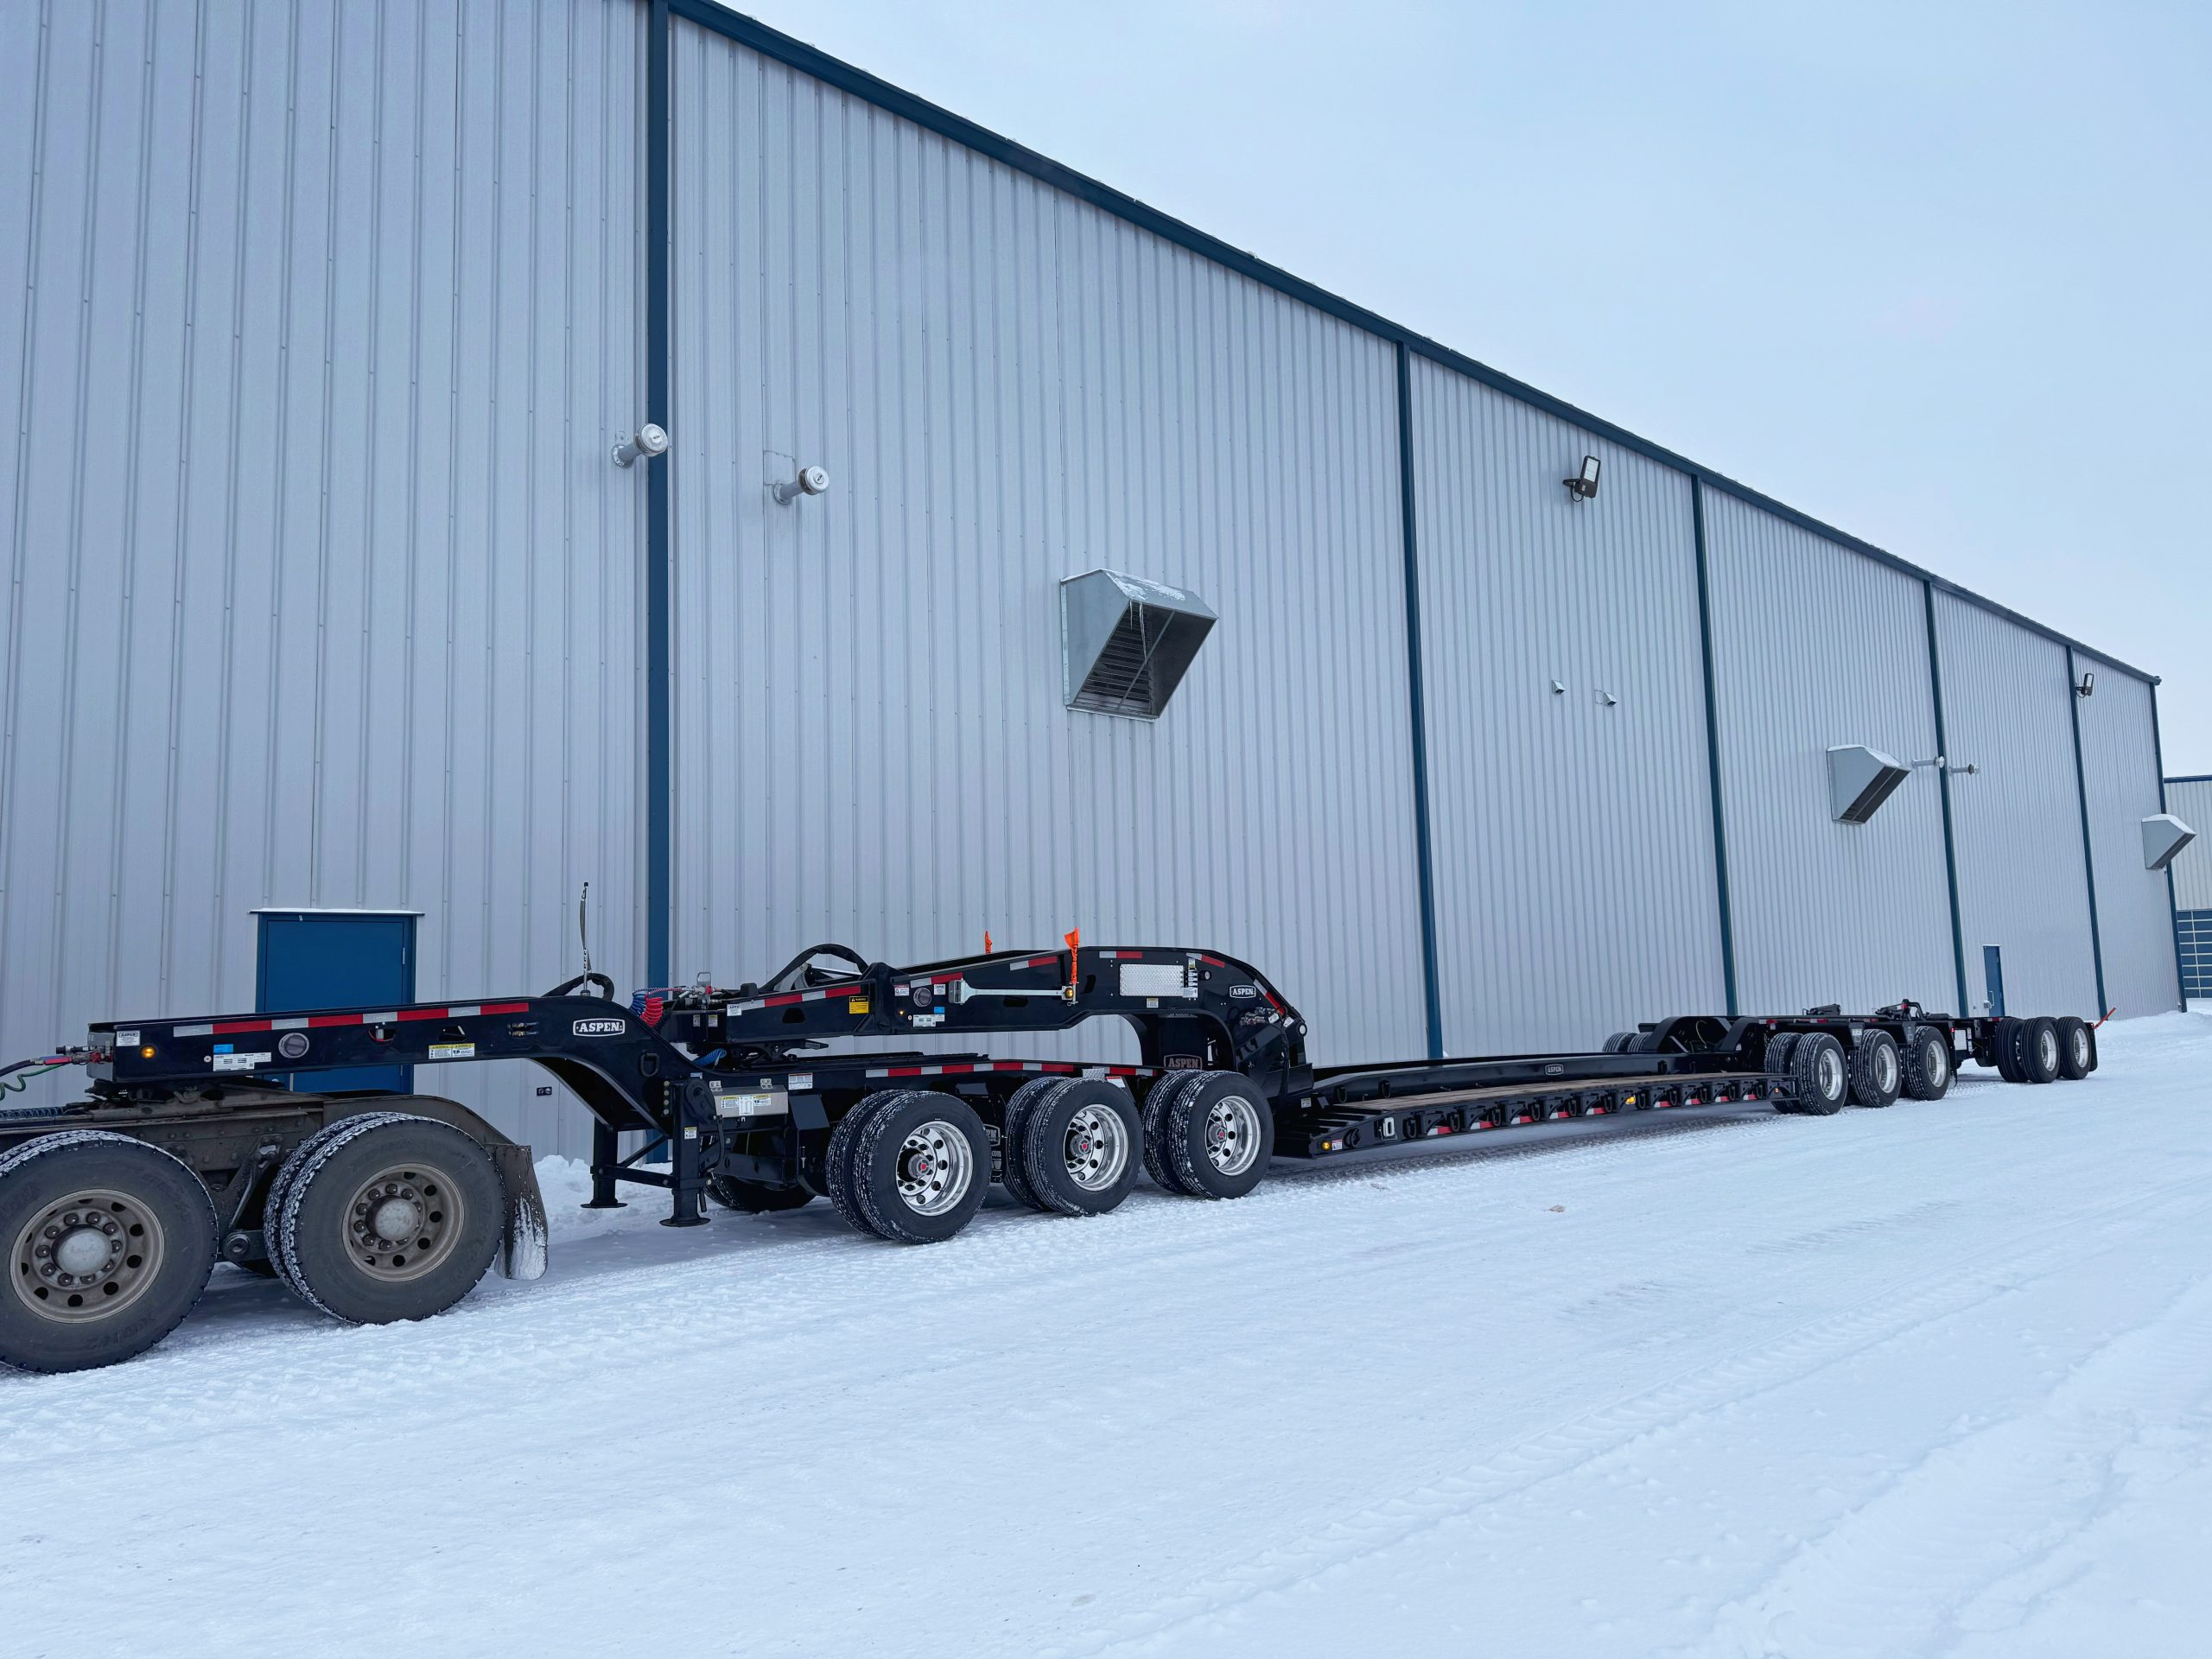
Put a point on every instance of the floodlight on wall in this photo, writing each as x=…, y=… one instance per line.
x=1126, y=643
x=1584, y=484
x=2164, y=835
x=2087, y=685
x=1860, y=780
x=811, y=481
x=645, y=442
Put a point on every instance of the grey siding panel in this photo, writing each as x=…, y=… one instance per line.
x=1816, y=645
x=320, y=587
x=1576, y=885
x=2192, y=802
x=2120, y=770
x=1008, y=387
x=2023, y=880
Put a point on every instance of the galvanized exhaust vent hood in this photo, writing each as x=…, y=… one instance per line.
x=2164, y=835
x=1860, y=780
x=1127, y=643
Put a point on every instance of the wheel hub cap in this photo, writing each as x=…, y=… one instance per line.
x=401, y=1222
x=1232, y=1135
x=934, y=1169
x=1831, y=1076
x=1097, y=1149
x=88, y=1257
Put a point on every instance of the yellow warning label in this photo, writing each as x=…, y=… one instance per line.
x=856, y=1004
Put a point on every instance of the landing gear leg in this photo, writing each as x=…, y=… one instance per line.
x=604, y=1157
x=687, y=1185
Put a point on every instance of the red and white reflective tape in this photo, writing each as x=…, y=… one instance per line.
x=962, y=1069
x=791, y=999
x=319, y=1021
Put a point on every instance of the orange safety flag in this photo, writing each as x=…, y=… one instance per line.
x=986, y=941
x=1074, y=938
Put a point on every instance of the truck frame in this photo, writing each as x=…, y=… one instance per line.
x=197, y=1139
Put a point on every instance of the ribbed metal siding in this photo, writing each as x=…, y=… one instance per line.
x=2192, y=802
x=319, y=585
x=1575, y=888
x=2120, y=770
x=1815, y=645
x=1008, y=387
x=2023, y=885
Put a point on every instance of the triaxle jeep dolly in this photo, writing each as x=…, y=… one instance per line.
x=198, y=1139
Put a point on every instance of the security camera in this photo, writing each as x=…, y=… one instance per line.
x=648, y=440
x=811, y=480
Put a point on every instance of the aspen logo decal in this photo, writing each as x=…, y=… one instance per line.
x=1242, y=990
x=599, y=1027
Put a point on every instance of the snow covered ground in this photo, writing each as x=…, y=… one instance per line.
x=1937, y=1380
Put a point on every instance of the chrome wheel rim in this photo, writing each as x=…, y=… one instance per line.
x=88, y=1257
x=1232, y=1134
x=402, y=1222
x=1885, y=1069
x=936, y=1165
x=2047, y=1051
x=1096, y=1148
x=1830, y=1074
x=1939, y=1062
x=2081, y=1051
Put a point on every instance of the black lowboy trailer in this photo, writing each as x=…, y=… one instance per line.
x=202, y=1139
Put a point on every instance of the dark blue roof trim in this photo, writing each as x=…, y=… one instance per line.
x=759, y=37
x=2192, y=778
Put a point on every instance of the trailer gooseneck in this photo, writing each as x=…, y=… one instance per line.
x=198, y=1139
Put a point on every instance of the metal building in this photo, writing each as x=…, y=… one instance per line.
x=324, y=595
x=2191, y=800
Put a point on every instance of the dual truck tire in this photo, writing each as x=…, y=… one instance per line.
x=380, y=1217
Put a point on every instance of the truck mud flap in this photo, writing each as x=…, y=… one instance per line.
x=523, y=1237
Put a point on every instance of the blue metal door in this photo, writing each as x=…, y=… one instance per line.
x=1993, y=977
x=338, y=959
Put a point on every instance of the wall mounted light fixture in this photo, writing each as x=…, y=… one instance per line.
x=2087, y=685
x=1584, y=484
x=811, y=480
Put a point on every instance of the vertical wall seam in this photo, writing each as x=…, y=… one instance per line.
x=1432, y=1001
x=1713, y=748
x=2173, y=906
x=2089, y=853
x=1943, y=791
x=659, y=775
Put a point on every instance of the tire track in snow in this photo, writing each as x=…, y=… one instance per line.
x=1890, y=1576
x=1991, y=1274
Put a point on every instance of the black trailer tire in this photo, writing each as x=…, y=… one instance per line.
x=1618, y=1042
x=110, y=1242
x=837, y=1162
x=2038, y=1052
x=1877, y=1071
x=1157, y=1106
x=756, y=1197
x=1929, y=1066
x=392, y=1217
x=272, y=1202
x=1822, y=1073
x=2004, y=1045
x=1221, y=1132
x=1079, y=1147
x=1775, y=1062
x=2077, y=1049
x=920, y=1166
x=1013, y=1174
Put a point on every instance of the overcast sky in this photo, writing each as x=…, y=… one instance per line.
x=1935, y=274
